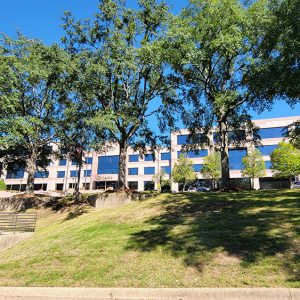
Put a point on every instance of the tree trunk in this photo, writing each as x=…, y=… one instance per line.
x=122, y=166
x=184, y=184
x=31, y=169
x=224, y=155
x=77, y=193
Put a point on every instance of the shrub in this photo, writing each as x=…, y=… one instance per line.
x=2, y=185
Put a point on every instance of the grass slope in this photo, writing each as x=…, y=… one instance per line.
x=183, y=240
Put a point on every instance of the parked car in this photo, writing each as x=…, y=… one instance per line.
x=203, y=189
x=192, y=189
x=296, y=185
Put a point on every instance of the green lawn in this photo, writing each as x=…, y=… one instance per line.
x=183, y=240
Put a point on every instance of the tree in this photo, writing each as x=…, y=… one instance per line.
x=210, y=51
x=183, y=171
x=276, y=71
x=254, y=165
x=123, y=69
x=212, y=167
x=294, y=134
x=286, y=161
x=159, y=178
x=30, y=76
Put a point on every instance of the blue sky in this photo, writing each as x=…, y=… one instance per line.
x=42, y=19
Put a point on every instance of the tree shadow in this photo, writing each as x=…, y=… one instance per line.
x=248, y=225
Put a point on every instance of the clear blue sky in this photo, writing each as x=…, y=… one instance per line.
x=42, y=19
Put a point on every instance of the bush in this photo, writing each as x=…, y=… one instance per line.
x=2, y=185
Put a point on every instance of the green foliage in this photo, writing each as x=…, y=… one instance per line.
x=276, y=70
x=212, y=167
x=2, y=185
x=183, y=171
x=254, y=165
x=294, y=134
x=286, y=160
x=120, y=69
x=210, y=50
x=30, y=80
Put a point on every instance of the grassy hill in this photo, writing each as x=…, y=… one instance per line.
x=183, y=240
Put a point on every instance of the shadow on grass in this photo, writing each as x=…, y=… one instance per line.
x=248, y=225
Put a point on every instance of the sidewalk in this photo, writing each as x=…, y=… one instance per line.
x=35, y=293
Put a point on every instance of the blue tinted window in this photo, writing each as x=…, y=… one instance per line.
x=62, y=162
x=267, y=149
x=74, y=173
x=87, y=173
x=197, y=167
x=133, y=171
x=194, y=154
x=74, y=163
x=165, y=156
x=233, y=136
x=15, y=175
x=108, y=164
x=182, y=139
x=148, y=185
x=134, y=158
x=89, y=160
x=61, y=174
x=167, y=169
x=149, y=170
x=149, y=157
x=41, y=174
x=235, y=158
x=275, y=132
x=268, y=164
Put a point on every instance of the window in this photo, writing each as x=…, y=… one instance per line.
x=15, y=175
x=197, y=138
x=149, y=157
x=268, y=164
x=89, y=160
x=235, y=158
x=133, y=185
x=74, y=163
x=148, y=185
x=74, y=173
x=72, y=185
x=197, y=167
x=41, y=174
x=61, y=174
x=133, y=171
x=165, y=156
x=182, y=139
x=133, y=158
x=267, y=149
x=108, y=164
x=59, y=186
x=193, y=154
x=149, y=170
x=87, y=173
x=62, y=162
x=275, y=132
x=233, y=136
x=167, y=169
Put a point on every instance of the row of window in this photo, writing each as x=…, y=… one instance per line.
x=63, y=162
x=149, y=157
x=264, y=133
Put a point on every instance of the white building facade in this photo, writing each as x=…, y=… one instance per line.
x=100, y=171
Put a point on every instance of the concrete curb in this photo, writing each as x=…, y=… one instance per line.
x=149, y=293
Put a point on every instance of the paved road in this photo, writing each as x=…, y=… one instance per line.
x=9, y=293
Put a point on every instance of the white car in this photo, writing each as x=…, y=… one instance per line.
x=192, y=189
x=203, y=189
x=296, y=185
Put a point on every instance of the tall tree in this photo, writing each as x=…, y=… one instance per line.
x=254, y=165
x=286, y=161
x=30, y=76
x=212, y=167
x=183, y=171
x=210, y=46
x=123, y=68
